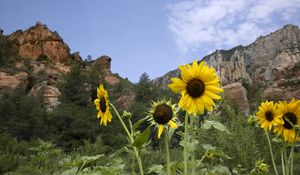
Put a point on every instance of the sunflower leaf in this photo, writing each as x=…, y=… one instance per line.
x=208, y=147
x=119, y=151
x=215, y=124
x=142, y=138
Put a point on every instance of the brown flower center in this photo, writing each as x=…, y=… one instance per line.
x=269, y=115
x=195, y=88
x=163, y=114
x=292, y=118
x=102, y=104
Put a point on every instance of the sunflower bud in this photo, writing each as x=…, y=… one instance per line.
x=251, y=120
x=261, y=167
x=126, y=115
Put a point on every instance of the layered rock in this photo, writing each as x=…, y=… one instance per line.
x=12, y=81
x=238, y=94
x=272, y=61
x=39, y=41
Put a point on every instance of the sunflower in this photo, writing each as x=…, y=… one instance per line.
x=199, y=87
x=268, y=115
x=163, y=114
x=102, y=105
x=291, y=116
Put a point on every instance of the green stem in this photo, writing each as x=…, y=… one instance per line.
x=292, y=159
x=203, y=157
x=271, y=152
x=167, y=152
x=286, y=160
x=193, y=155
x=122, y=122
x=292, y=153
x=139, y=160
x=185, y=149
x=130, y=126
x=282, y=162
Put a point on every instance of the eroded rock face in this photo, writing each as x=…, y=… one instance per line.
x=50, y=94
x=40, y=41
x=272, y=61
x=238, y=94
x=105, y=64
x=12, y=81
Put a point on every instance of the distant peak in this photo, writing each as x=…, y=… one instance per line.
x=290, y=26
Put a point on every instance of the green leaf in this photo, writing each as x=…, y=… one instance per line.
x=191, y=145
x=208, y=147
x=138, y=123
x=215, y=124
x=158, y=169
x=142, y=138
x=221, y=169
x=119, y=151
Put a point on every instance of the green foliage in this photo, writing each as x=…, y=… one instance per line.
x=73, y=90
x=42, y=57
x=8, y=53
x=245, y=144
x=22, y=116
x=142, y=138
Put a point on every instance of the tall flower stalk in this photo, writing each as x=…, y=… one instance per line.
x=103, y=106
x=199, y=86
x=130, y=136
x=284, y=118
x=163, y=114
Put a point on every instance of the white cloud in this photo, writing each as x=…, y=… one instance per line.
x=227, y=23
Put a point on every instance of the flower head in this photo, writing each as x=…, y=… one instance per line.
x=163, y=114
x=199, y=87
x=268, y=115
x=291, y=116
x=102, y=105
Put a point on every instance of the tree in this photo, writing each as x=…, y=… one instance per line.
x=144, y=90
x=73, y=90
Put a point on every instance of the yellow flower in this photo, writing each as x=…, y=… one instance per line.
x=102, y=105
x=163, y=114
x=291, y=116
x=268, y=115
x=199, y=87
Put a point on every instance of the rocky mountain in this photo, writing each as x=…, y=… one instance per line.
x=269, y=68
x=271, y=65
x=40, y=59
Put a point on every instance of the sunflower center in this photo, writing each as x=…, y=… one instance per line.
x=269, y=116
x=292, y=118
x=195, y=88
x=163, y=114
x=102, y=104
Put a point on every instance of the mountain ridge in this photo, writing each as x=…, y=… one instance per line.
x=267, y=61
x=267, y=69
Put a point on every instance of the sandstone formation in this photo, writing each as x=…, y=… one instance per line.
x=12, y=81
x=238, y=94
x=38, y=41
x=272, y=61
x=105, y=64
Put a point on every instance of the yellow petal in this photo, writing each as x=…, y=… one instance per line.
x=214, y=89
x=160, y=130
x=185, y=73
x=173, y=124
x=177, y=86
x=214, y=82
x=212, y=95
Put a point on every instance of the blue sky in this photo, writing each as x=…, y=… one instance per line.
x=153, y=36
